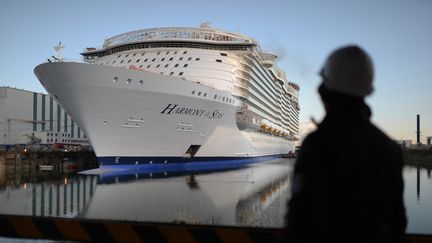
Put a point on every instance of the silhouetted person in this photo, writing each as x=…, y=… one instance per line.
x=347, y=184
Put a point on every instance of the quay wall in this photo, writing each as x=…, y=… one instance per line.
x=31, y=159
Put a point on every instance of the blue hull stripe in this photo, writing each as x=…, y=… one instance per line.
x=179, y=163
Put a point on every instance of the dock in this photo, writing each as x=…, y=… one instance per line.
x=87, y=230
x=57, y=160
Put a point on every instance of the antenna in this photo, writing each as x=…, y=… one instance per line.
x=58, y=50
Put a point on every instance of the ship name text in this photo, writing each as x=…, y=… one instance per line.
x=174, y=109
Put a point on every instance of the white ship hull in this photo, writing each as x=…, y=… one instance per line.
x=156, y=121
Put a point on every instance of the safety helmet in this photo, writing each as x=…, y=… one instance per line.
x=348, y=70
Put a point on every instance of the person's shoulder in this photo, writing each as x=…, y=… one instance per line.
x=383, y=139
x=313, y=139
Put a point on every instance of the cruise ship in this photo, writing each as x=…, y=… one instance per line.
x=178, y=96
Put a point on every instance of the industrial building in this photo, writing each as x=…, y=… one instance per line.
x=34, y=118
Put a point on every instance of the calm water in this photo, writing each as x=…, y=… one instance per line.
x=250, y=196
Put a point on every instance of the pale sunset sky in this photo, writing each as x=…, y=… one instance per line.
x=397, y=35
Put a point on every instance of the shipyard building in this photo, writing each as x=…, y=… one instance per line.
x=30, y=118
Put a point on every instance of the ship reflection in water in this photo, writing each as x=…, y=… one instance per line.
x=255, y=195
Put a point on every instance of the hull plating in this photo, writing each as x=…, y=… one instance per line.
x=133, y=117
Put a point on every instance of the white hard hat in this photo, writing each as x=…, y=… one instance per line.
x=348, y=70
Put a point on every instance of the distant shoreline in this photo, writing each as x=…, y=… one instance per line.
x=418, y=157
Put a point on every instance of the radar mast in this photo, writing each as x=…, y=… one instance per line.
x=58, y=49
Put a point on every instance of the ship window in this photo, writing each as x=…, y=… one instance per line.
x=145, y=60
x=181, y=58
x=158, y=53
x=161, y=73
x=197, y=59
x=199, y=93
x=171, y=59
x=113, y=62
x=223, y=98
x=115, y=79
x=184, y=52
x=193, y=91
x=223, y=54
x=175, y=52
x=142, y=54
x=215, y=96
x=140, y=66
x=119, y=56
x=218, y=60
x=190, y=58
x=138, y=60
x=171, y=73
x=121, y=61
x=163, y=59
x=166, y=65
x=158, y=65
x=181, y=73
x=148, y=66
x=129, y=60
x=176, y=65
x=205, y=94
x=127, y=55
x=167, y=53
x=153, y=59
x=134, y=54
x=185, y=65
x=140, y=82
x=128, y=81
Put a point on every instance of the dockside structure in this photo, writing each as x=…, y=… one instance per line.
x=28, y=117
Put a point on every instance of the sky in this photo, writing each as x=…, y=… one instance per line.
x=397, y=35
